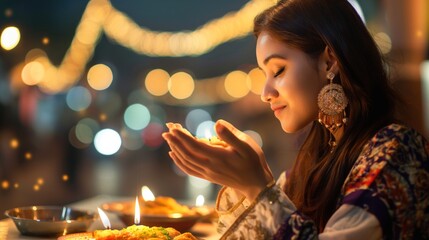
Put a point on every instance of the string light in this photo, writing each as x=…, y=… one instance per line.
x=100, y=16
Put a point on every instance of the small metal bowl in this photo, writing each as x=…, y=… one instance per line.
x=50, y=221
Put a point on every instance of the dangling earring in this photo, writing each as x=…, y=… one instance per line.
x=332, y=102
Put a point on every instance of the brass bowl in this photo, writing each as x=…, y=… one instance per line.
x=180, y=222
x=50, y=221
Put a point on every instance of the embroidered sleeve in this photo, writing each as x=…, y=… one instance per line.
x=390, y=180
x=384, y=196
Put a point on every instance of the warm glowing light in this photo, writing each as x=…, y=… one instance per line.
x=181, y=85
x=156, y=82
x=33, y=73
x=10, y=38
x=36, y=187
x=102, y=117
x=147, y=194
x=16, y=185
x=137, y=212
x=236, y=84
x=256, y=80
x=28, y=156
x=45, y=40
x=14, y=143
x=384, y=42
x=207, y=133
x=205, y=130
x=5, y=184
x=100, y=77
x=199, y=201
x=40, y=181
x=65, y=177
x=104, y=219
x=200, y=207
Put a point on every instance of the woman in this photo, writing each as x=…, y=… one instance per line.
x=358, y=175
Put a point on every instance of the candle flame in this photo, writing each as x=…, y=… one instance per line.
x=147, y=194
x=207, y=134
x=137, y=212
x=199, y=202
x=104, y=219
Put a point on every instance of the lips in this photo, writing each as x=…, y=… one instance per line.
x=277, y=109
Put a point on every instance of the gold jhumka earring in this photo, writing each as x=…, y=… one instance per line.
x=332, y=102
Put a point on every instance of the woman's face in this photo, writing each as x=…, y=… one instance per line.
x=293, y=81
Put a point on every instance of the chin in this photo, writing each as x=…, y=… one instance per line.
x=293, y=128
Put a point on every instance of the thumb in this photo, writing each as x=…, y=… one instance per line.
x=234, y=137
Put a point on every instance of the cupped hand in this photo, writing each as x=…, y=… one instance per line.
x=240, y=164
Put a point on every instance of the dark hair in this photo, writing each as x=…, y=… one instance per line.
x=310, y=25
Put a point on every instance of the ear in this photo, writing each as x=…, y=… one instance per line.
x=328, y=62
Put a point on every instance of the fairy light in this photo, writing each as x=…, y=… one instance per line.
x=10, y=38
x=14, y=143
x=65, y=177
x=40, y=181
x=5, y=184
x=100, y=15
x=45, y=41
x=28, y=156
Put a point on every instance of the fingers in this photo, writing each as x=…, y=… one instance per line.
x=228, y=133
x=184, y=167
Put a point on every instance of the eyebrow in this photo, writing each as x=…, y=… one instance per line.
x=273, y=56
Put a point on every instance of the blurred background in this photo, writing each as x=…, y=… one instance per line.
x=86, y=88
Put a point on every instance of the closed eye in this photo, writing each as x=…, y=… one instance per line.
x=279, y=72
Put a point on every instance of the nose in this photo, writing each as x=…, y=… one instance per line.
x=268, y=93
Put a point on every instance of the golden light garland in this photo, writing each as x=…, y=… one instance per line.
x=100, y=16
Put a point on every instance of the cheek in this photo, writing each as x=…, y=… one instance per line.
x=304, y=99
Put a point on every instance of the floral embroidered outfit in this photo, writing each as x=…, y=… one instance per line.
x=385, y=196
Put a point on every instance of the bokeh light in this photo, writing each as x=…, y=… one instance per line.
x=152, y=134
x=156, y=82
x=137, y=116
x=205, y=130
x=194, y=118
x=33, y=73
x=256, y=136
x=5, y=184
x=14, y=143
x=383, y=42
x=78, y=98
x=107, y=141
x=256, y=80
x=181, y=85
x=236, y=84
x=10, y=38
x=84, y=133
x=100, y=77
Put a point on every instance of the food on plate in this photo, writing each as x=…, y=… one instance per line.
x=164, y=206
x=141, y=232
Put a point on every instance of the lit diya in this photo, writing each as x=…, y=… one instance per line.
x=207, y=139
x=134, y=232
x=160, y=211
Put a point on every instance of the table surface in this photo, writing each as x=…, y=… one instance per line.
x=8, y=230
